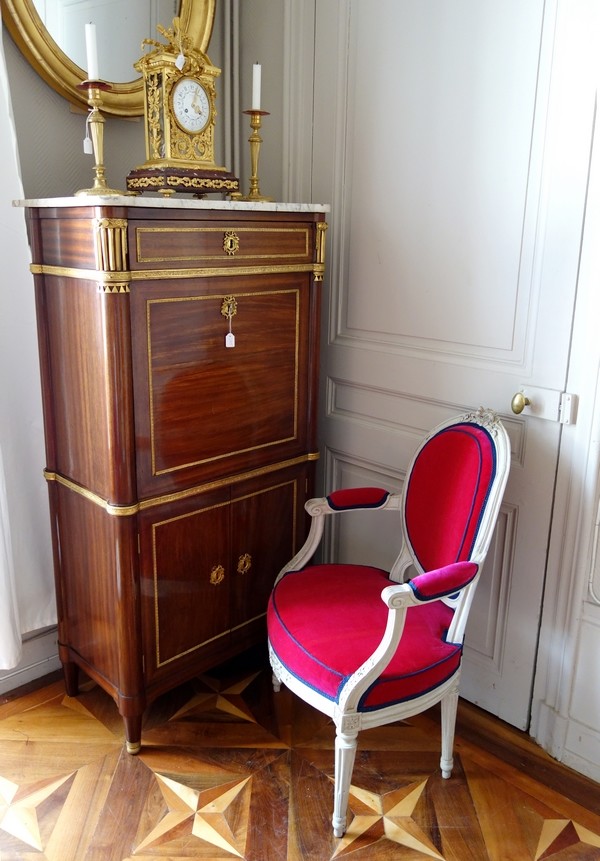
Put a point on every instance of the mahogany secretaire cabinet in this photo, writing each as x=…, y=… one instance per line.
x=179, y=349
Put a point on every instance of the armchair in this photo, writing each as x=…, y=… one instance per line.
x=360, y=644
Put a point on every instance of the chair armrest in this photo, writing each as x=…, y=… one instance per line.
x=354, y=499
x=337, y=502
x=441, y=582
x=357, y=497
x=431, y=585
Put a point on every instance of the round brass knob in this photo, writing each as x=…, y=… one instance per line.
x=519, y=402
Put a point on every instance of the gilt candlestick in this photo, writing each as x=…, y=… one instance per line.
x=96, y=125
x=255, y=141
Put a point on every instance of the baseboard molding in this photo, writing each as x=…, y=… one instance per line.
x=39, y=658
x=570, y=742
x=568, y=774
x=582, y=750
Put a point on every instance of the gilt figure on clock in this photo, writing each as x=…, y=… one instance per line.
x=179, y=120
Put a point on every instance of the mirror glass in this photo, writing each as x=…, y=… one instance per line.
x=121, y=25
x=51, y=35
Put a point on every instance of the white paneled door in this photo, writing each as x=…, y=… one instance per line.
x=453, y=140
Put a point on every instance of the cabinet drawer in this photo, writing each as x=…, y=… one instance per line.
x=229, y=244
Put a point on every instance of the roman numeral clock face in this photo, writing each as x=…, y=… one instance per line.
x=191, y=105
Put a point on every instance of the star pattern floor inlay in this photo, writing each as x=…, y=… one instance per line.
x=228, y=769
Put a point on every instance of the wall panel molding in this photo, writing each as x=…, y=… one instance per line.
x=374, y=267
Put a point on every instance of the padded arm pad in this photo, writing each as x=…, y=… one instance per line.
x=443, y=581
x=357, y=497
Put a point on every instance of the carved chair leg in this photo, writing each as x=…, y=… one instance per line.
x=345, y=752
x=449, y=708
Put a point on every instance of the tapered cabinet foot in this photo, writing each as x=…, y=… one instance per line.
x=133, y=734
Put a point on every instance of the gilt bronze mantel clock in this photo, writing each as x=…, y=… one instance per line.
x=179, y=116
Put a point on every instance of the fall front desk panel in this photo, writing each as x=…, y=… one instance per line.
x=179, y=357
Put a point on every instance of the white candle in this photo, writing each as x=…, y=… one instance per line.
x=91, y=50
x=256, y=72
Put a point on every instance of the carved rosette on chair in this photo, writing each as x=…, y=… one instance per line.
x=360, y=644
x=179, y=114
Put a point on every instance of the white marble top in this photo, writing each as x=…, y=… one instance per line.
x=172, y=203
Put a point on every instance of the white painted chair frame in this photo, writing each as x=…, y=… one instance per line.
x=345, y=715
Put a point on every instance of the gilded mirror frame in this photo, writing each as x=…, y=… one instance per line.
x=63, y=75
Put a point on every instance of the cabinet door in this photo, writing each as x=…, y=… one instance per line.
x=204, y=410
x=186, y=584
x=267, y=526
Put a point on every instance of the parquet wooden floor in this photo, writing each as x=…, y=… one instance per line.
x=230, y=770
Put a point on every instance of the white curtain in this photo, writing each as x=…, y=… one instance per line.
x=26, y=582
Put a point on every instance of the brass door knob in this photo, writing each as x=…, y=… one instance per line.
x=519, y=402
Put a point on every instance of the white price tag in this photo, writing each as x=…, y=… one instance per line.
x=230, y=339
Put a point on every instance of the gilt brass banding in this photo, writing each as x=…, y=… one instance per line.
x=108, y=282
x=219, y=271
x=164, y=274
x=116, y=510
x=143, y=505
x=215, y=485
x=199, y=184
x=220, y=636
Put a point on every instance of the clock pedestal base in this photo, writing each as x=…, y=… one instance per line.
x=168, y=180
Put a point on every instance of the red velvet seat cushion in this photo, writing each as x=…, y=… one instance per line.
x=325, y=621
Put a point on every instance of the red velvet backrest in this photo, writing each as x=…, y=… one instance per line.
x=446, y=494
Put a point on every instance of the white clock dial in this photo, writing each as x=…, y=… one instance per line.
x=191, y=106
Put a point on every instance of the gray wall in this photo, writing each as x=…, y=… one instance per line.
x=261, y=41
